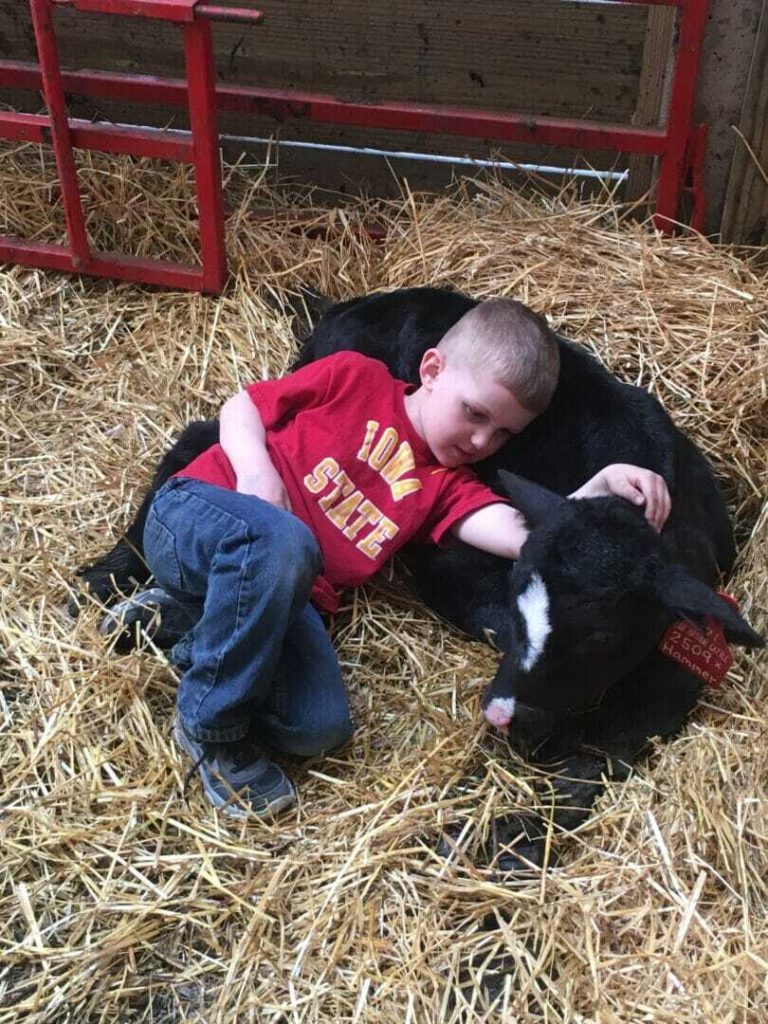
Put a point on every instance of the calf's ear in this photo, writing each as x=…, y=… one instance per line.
x=690, y=598
x=533, y=500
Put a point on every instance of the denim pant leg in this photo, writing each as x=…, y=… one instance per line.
x=307, y=711
x=253, y=566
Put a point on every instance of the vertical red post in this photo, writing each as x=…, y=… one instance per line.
x=53, y=90
x=691, y=27
x=201, y=90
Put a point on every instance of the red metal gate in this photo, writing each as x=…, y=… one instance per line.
x=679, y=144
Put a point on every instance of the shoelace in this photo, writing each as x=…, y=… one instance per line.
x=237, y=763
x=242, y=754
x=188, y=777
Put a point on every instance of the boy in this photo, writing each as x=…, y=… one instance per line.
x=319, y=478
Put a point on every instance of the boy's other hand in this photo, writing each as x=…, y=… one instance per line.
x=634, y=483
x=266, y=483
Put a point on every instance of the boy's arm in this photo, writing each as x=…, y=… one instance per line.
x=244, y=442
x=497, y=528
x=501, y=529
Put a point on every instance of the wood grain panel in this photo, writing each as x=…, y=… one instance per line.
x=552, y=57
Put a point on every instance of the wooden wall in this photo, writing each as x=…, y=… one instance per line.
x=745, y=208
x=555, y=57
x=732, y=69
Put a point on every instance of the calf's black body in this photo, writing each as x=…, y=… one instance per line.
x=627, y=587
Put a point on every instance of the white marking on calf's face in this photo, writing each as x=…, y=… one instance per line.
x=533, y=605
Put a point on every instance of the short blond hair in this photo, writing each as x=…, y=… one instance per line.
x=514, y=343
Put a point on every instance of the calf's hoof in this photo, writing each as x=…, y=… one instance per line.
x=98, y=587
x=516, y=844
x=100, y=584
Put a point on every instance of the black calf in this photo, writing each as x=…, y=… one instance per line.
x=579, y=616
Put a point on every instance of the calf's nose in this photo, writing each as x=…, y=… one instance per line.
x=499, y=713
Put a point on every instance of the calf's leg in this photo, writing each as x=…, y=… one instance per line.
x=123, y=568
x=655, y=699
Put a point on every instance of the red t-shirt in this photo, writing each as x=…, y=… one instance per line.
x=355, y=469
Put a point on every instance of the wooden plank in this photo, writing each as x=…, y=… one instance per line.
x=728, y=49
x=745, y=213
x=576, y=60
x=653, y=93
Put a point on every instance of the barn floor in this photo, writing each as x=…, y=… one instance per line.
x=124, y=902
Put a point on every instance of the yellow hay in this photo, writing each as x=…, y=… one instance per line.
x=121, y=902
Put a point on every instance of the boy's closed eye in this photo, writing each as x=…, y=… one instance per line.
x=478, y=416
x=475, y=415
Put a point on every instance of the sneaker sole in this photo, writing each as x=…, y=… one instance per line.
x=126, y=612
x=159, y=621
x=228, y=807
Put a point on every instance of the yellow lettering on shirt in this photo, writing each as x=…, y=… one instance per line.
x=345, y=505
x=341, y=513
x=324, y=471
x=367, y=513
x=391, y=467
x=384, y=448
x=344, y=486
x=400, y=463
x=370, y=545
x=370, y=432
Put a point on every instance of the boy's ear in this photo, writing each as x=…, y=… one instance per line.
x=431, y=366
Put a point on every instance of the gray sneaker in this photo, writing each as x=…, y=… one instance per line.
x=151, y=614
x=236, y=777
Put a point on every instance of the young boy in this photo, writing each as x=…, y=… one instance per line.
x=319, y=478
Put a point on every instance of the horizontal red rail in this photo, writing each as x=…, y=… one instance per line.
x=127, y=268
x=242, y=15
x=164, y=10
x=102, y=136
x=282, y=104
x=167, y=10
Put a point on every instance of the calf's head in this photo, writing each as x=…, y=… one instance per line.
x=590, y=597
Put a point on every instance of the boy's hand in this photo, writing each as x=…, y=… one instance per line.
x=638, y=485
x=265, y=482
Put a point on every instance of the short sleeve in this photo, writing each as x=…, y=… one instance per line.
x=279, y=400
x=462, y=493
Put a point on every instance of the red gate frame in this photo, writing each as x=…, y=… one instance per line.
x=679, y=144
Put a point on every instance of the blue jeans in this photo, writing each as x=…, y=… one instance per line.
x=260, y=656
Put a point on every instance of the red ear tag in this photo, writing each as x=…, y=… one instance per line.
x=705, y=652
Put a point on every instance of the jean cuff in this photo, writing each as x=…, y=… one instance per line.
x=226, y=735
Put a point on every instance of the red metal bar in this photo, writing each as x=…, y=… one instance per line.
x=101, y=136
x=202, y=115
x=126, y=268
x=165, y=10
x=284, y=103
x=162, y=10
x=691, y=28
x=234, y=14
x=53, y=89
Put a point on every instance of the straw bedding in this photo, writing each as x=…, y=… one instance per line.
x=123, y=902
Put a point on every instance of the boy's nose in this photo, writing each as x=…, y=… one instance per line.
x=481, y=439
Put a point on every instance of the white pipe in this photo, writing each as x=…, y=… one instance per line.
x=503, y=165
x=465, y=161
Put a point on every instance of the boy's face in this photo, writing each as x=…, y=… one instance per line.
x=465, y=414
